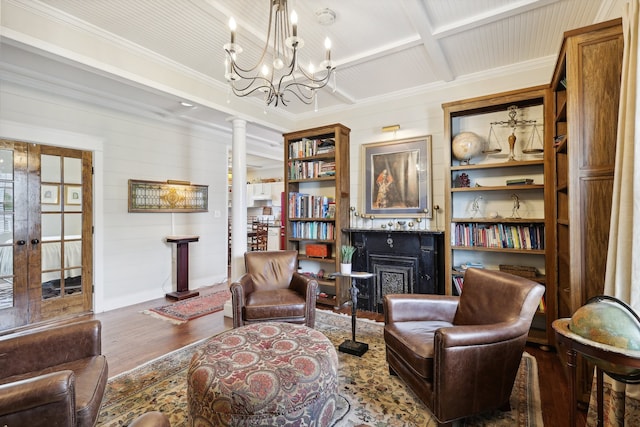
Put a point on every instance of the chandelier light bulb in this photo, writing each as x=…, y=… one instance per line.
x=294, y=23
x=327, y=46
x=265, y=70
x=232, y=27
x=278, y=64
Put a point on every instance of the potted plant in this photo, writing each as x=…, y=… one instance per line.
x=347, y=255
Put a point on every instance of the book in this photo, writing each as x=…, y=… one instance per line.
x=520, y=181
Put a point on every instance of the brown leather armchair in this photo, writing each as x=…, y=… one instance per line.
x=460, y=355
x=52, y=376
x=272, y=290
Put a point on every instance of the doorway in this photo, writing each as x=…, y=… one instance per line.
x=45, y=233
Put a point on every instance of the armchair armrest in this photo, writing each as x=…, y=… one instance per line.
x=38, y=400
x=415, y=307
x=474, y=363
x=41, y=349
x=239, y=290
x=303, y=284
x=308, y=287
x=470, y=335
x=242, y=287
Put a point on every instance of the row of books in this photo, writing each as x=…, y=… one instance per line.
x=313, y=169
x=313, y=230
x=458, y=282
x=499, y=236
x=303, y=205
x=311, y=147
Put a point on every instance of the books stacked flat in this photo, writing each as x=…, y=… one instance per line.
x=520, y=181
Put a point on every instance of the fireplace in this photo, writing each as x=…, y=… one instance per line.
x=404, y=262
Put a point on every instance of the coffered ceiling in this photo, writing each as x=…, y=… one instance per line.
x=380, y=48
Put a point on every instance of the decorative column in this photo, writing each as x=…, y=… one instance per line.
x=239, y=197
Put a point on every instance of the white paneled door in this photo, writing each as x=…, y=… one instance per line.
x=45, y=233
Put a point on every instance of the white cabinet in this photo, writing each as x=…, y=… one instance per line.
x=277, y=188
x=264, y=194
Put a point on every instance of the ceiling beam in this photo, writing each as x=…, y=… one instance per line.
x=486, y=17
x=437, y=60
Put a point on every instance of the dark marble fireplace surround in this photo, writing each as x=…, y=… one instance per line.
x=402, y=261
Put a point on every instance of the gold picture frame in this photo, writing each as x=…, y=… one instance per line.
x=49, y=194
x=73, y=195
x=397, y=178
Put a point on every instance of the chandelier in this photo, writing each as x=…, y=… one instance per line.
x=284, y=76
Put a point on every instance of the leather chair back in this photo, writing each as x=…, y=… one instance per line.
x=491, y=297
x=272, y=269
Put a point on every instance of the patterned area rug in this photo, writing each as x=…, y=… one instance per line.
x=191, y=308
x=369, y=396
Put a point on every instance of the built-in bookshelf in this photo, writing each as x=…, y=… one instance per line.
x=317, y=204
x=585, y=96
x=495, y=201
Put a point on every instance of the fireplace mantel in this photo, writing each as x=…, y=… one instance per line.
x=402, y=261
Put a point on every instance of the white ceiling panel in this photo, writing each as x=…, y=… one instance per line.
x=380, y=47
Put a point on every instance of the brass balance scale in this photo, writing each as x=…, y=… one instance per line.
x=533, y=146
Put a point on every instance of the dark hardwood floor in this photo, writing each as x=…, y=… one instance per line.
x=130, y=338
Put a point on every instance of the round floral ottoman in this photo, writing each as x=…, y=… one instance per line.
x=263, y=374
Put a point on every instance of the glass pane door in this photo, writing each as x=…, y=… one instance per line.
x=13, y=226
x=61, y=221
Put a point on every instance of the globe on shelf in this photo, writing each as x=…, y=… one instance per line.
x=466, y=145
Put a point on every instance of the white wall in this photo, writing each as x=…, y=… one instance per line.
x=133, y=263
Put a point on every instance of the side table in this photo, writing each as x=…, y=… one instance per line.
x=352, y=346
x=182, y=267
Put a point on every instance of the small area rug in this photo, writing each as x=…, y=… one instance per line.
x=369, y=396
x=191, y=308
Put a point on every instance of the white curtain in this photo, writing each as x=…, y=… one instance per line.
x=623, y=260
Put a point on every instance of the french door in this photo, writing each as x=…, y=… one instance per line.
x=45, y=233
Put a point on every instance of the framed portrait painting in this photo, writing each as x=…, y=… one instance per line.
x=397, y=181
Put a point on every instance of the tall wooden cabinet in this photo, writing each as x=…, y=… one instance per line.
x=492, y=218
x=316, y=208
x=586, y=91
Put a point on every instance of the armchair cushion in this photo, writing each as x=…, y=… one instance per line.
x=272, y=290
x=274, y=304
x=58, y=371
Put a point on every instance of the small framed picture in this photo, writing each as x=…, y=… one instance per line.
x=49, y=194
x=73, y=195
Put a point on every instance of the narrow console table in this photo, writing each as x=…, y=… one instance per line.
x=182, y=267
x=352, y=346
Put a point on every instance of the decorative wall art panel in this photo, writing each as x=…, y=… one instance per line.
x=169, y=196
